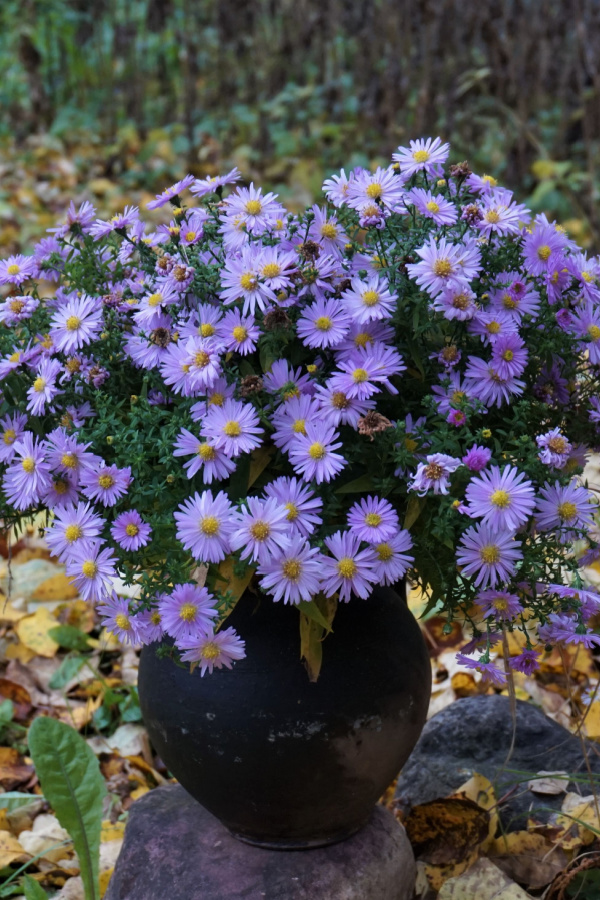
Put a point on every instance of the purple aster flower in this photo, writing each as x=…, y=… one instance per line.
x=432, y=206
x=28, y=475
x=17, y=269
x=489, y=555
x=148, y=624
x=514, y=296
x=326, y=231
x=107, y=484
x=233, y=428
x=187, y=612
x=485, y=383
x=204, y=525
x=382, y=187
x=151, y=308
x=489, y=672
x=130, y=531
x=456, y=302
x=551, y=387
x=312, y=454
x=440, y=268
x=540, y=246
x=364, y=370
x=564, y=508
x=240, y=333
x=369, y=299
x=500, y=214
x=325, y=323
x=509, y=355
x=373, y=520
x=289, y=420
x=481, y=184
x=275, y=267
x=456, y=417
x=527, y=662
x=391, y=559
x=240, y=279
x=434, y=474
x=13, y=428
x=555, y=449
x=212, y=463
x=283, y=379
x=44, y=389
x=71, y=527
x=102, y=228
x=213, y=650
x=586, y=323
x=361, y=337
x=564, y=319
x=493, y=324
x=567, y=630
x=499, y=604
x=450, y=394
x=336, y=188
x=259, y=529
x=587, y=602
x=504, y=500
x=171, y=193
x=192, y=227
x=82, y=218
x=116, y=618
x=293, y=571
x=92, y=570
x=208, y=185
x=17, y=309
x=336, y=408
x=66, y=454
x=477, y=458
x=76, y=323
x=424, y=155
x=301, y=504
x=60, y=492
x=256, y=211
x=348, y=570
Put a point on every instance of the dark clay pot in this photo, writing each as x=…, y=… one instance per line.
x=280, y=761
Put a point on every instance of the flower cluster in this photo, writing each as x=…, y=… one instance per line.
x=406, y=378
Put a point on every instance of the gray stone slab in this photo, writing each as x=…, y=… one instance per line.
x=175, y=850
x=474, y=735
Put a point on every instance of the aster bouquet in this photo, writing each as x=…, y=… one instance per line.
x=402, y=381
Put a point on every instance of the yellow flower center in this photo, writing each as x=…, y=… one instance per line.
x=292, y=511
x=594, y=332
x=207, y=330
x=500, y=498
x=73, y=323
x=372, y=520
x=587, y=277
x=329, y=231
x=209, y=525
x=188, y=612
x=421, y=156
x=323, y=323
x=370, y=298
x=271, y=270
x=212, y=650
x=292, y=569
x=507, y=355
x=154, y=299
x=201, y=359
x=39, y=384
x=493, y=327
x=346, y=567
x=339, y=400
x=490, y=554
x=260, y=530
x=69, y=460
x=16, y=306
x=60, y=487
x=567, y=511
x=384, y=552
x=362, y=339
x=73, y=533
x=248, y=281
x=253, y=207
x=14, y=357
x=299, y=426
x=28, y=464
x=500, y=603
x=434, y=471
x=13, y=269
x=432, y=206
x=190, y=235
x=492, y=217
x=557, y=444
x=132, y=529
x=489, y=179
x=122, y=622
x=442, y=267
x=509, y=302
x=360, y=375
x=155, y=617
x=317, y=451
x=89, y=568
x=544, y=252
x=374, y=191
x=10, y=436
x=232, y=428
x=240, y=333
x=106, y=481
x=216, y=399
x=206, y=452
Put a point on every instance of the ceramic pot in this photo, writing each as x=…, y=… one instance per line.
x=281, y=761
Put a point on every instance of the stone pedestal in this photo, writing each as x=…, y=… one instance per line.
x=175, y=850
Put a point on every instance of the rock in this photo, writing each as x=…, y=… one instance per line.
x=175, y=849
x=474, y=735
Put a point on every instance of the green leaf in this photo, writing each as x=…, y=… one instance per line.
x=70, y=637
x=69, y=667
x=7, y=711
x=73, y=786
x=363, y=483
x=33, y=890
x=15, y=799
x=413, y=510
x=310, y=609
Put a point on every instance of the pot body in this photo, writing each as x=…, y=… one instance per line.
x=281, y=761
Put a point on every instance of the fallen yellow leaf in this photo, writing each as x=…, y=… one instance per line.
x=574, y=824
x=105, y=880
x=591, y=723
x=139, y=792
x=480, y=790
x=58, y=587
x=483, y=881
x=33, y=632
x=10, y=850
x=8, y=613
x=227, y=581
x=111, y=832
x=528, y=858
x=19, y=651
